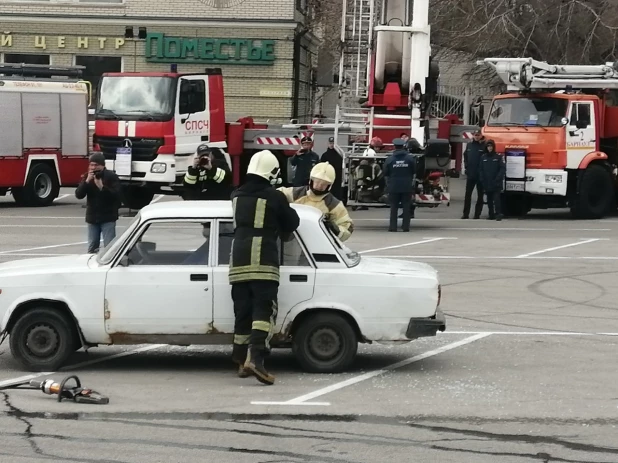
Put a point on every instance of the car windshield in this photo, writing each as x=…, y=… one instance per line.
x=106, y=255
x=539, y=112
x=135, y=96
x=351, y=258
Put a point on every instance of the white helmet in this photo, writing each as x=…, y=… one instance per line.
x=266, y=165
x=323, y=171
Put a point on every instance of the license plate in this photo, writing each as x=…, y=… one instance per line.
x=514, y=186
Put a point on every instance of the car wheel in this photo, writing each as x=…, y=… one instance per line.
x=325, y=343
x=43, y=339
x=42, y=186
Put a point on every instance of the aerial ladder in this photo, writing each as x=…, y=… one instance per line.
x=557, y=125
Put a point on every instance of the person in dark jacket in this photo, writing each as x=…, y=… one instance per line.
x=101, y=188
x=303, y=161
x=262, y=219
x=399, y=170
x=334, y=158
x=491, y=172
x=209, y=177
x=472, y=160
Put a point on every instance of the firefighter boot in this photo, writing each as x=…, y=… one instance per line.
x=239, y=356
x=255, y=364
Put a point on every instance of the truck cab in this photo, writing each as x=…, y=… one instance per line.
x=160, y=119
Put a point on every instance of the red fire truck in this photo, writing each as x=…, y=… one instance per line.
x=43, y=131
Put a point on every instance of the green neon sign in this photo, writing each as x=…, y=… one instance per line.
x=162, y=49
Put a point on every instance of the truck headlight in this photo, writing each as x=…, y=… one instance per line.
x=158, y=168
x=553, y=179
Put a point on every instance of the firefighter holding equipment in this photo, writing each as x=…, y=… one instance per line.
x=209, y=177
x=262, y=217
x=318, y=195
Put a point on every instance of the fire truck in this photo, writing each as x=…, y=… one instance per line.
x=385, y=88
x=557, y=128
x=43, y=131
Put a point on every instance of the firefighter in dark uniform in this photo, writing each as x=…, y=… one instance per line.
x=399, y=171
x=209, y=177
x=262, y=217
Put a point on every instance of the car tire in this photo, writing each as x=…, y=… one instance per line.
x=49, y=332
x=42, y=186
x=325, y=343
x=596, y=194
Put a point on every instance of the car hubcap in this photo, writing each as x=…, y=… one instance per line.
x=42, y=341
x=42, y=185
x=325, y=343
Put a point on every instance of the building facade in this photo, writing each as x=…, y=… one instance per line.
x=263, y=48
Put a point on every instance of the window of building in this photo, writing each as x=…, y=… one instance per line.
x=97, y=66
x=24, y=58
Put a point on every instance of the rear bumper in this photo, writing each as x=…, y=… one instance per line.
x=424, y=327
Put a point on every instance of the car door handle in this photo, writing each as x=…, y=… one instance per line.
x=199, y=277
x=298, y=277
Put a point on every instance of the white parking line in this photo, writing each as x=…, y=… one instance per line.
x=60, y=197
x=555, y=248
x=23, y=379
x=396, y=256
x=43, y=247
x=303, y=399
x=414, y=243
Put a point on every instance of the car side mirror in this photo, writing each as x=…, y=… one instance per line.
x=124, y=261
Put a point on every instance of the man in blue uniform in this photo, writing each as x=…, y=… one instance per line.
x=399, y=173
x=491, y=173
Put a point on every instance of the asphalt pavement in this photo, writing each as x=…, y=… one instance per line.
x=525, y=372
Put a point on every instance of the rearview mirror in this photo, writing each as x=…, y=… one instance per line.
x=564, y=121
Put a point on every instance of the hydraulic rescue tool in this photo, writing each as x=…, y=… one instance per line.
x=76, y=393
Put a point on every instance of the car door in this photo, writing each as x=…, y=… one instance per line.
x=581, y=132
x=297, y=279
x=193, y=121
x=163, y=282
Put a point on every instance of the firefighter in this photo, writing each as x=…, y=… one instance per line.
x=334, y=157
x=303, y=161
x=262, y=216
x=399, y=169
x=375, y=145
x=209, y=177
x=318, y=194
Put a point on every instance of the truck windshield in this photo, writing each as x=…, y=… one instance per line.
x=135, y=96
x=539, y=112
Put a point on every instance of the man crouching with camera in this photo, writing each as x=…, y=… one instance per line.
x=101, y=187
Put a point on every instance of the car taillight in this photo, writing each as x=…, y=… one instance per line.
x=439, y=295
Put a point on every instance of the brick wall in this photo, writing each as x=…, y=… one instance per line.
x=242, y=83
x=168, y=9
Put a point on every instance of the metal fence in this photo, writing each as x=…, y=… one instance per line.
x=454, y=99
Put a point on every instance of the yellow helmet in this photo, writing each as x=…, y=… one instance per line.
x=323, y=171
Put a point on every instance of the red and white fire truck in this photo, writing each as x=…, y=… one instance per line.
x=160, y=118
x=43, y=131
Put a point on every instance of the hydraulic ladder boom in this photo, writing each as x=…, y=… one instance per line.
x=528, y=74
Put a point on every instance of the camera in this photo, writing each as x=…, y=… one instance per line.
x=98, y=174
x=204, y=160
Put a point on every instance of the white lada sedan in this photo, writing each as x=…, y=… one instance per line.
x=164, y=280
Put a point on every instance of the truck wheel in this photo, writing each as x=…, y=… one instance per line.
x=43, y=339
x=515, y=206
x=137, y=197
x=42, y=187
x=325, y=343
x=596, y=194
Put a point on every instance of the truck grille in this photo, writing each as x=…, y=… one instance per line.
x=143, y=149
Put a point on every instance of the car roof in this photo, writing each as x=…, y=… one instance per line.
x=208, y=209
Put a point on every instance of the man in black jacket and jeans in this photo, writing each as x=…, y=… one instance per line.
x=101, y=187
x=472, y=160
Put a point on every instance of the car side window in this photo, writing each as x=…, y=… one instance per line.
x=172, y=243
x=293, y=254
x=226, y=236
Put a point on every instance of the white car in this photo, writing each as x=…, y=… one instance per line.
x=164, y=280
